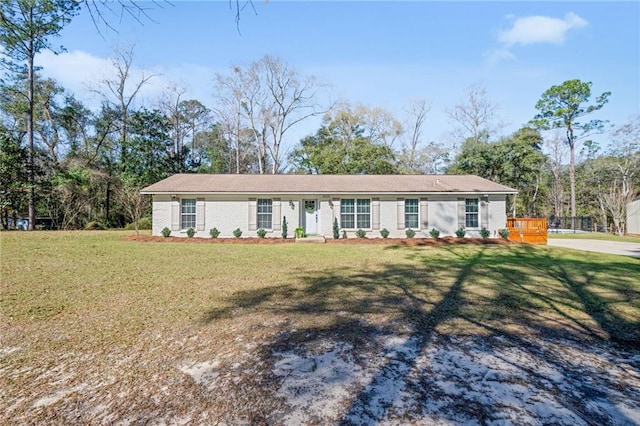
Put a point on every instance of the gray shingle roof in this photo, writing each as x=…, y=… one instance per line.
x=323, y=184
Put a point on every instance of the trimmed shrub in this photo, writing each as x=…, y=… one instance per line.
x=166, y=232
x=214, y=232
x=434, y=233
x=361, y=233
x=261, y=233
x=484, y=233
x=504, y=233
x=191, y=232
x=384, y=232
x=410, y=233
x=336, y=228
x=95, y=226
x=300, y=232
x=461, y=232
x=284, y=227
x=237, y=233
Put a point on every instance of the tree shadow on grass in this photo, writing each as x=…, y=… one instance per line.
x=530, y=299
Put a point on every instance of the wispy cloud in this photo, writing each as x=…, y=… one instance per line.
x=529, y=30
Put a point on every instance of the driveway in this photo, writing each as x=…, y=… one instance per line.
x=610, y=247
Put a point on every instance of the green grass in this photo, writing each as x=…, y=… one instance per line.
x=122, y=316
x=597, y=236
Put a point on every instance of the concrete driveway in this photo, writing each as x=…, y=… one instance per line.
x=610, y=247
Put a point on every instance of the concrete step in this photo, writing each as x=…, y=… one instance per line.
x=315, y=239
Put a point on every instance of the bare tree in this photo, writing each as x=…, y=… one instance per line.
x=118, y=93
x=270, y=98
x=623, y=171
x=416, y=155
x=477, y=117
x=169, y=104
x=133, y=203
x=120, y=90
x=103, y=12
x=556, y=152
x=231, y=91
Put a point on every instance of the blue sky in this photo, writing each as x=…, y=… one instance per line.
x=380, y=54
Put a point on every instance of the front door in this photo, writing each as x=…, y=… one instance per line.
x=310, y=217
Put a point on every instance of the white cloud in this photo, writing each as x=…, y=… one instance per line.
x=79, y=72
x=531, y=30
x=540, y=29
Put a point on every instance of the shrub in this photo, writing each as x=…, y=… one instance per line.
x=284, y=227
x=214, y=232
x=95, y=226
x=461, y=232
x=191, y=232
x=384, y=232
x=504, y=233
x=166, y=232
x=336, y=229
x=237, y=233
x=300, y=232
x=484, y=233
x=145, y=223
x=261, y=233
x=410, y=233
x=361, y=233
x=434, y=233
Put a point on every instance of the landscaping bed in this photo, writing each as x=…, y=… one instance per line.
x=384, y=241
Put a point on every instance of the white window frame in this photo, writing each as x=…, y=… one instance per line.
x=188, y=213
x=470, y=213
x=264, y=213
x=407, y=214
x=361, y=211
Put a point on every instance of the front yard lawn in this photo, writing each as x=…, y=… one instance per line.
x=97, y=330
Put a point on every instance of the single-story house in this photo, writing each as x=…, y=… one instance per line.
x=633, y=217
x=368, y=202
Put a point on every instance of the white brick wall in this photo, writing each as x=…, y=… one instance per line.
x=230, y=212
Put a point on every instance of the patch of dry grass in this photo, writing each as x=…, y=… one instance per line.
x=96, y=329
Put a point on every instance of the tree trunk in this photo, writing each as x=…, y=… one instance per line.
x=572, y=176
x=31, y=171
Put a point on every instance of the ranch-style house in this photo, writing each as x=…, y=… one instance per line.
x=368, y=202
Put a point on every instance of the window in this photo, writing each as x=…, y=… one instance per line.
x=347, y=213
x=411, y=217
x=188, y=213
x=265, y=210
x=355, y=213
x=363, y=216
x=471, y=209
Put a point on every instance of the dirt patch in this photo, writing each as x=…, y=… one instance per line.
x=384, y=241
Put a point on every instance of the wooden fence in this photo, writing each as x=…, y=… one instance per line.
x=527, y=230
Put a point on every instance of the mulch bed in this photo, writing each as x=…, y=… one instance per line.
x=386, y=241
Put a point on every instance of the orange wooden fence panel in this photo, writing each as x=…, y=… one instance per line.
x=532, y=230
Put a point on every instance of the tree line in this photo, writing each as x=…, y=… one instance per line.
x=80, y=167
